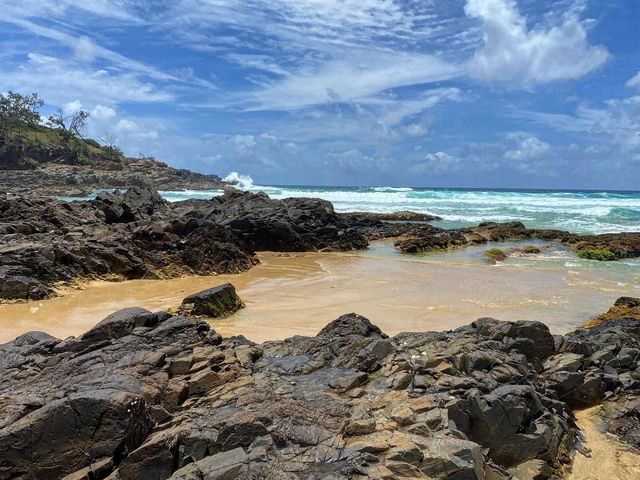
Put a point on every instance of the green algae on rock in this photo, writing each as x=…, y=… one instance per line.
x=495, y=255
x=600, y=254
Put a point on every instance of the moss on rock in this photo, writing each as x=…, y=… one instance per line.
x=601, y=254
x=495, y=255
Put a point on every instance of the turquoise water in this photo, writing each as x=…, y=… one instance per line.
x=575, y=211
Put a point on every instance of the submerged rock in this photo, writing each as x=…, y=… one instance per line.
x=214, y=302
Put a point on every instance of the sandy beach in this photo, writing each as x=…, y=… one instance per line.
x=299, y=293
x=606, y=457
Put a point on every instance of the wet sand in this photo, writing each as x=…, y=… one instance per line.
x=607, y=458
x=298, y=294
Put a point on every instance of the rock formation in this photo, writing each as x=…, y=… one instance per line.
x=155, y=395
x=213, y=302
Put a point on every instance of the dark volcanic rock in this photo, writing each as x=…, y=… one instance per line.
x=427, y=237
x=151, y=395
x=218, y=301
x=292, y=224
x=135, y=204
x=21, y=287
x=401, y=216
x=136, y=234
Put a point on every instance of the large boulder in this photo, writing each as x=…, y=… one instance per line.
x=134, y=204
x=215, y=302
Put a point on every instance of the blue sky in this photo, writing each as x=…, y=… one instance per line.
x=472, y=93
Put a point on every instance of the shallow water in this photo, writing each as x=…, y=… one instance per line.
x=300, y=293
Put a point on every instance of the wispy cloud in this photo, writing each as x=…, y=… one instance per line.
x=335, y=87
x=60, y=80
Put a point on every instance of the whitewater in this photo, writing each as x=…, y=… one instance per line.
x=575, y=211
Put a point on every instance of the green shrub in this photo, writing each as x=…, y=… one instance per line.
x=91, y=142
x=112, y=152
x=600, y=254
x=495, y=254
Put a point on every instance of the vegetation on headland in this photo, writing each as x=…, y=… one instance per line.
x=28, y=140
x=495, y=255
x=601, y=254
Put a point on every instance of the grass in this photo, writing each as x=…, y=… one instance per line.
x=600, y=254
x=495, y=254
x=52, y=139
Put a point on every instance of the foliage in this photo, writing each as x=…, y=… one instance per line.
x=600, y=254
x=112, y=151
x=92, y=143
x=70, y=126
x=19, y=110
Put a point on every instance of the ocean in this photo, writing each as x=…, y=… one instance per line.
x=574, y=211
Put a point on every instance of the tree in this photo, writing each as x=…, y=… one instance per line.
x=19, y=110
x=71, y=126
x=110, y=147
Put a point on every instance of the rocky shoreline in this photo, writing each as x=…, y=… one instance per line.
x=161, y=395
x=137, y=234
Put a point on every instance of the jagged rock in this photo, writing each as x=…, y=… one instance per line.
x=214, y=302
x=155, y=395
x=135, y=204
x=14, y=287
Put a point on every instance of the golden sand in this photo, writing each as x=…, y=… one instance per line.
x=607, y=458
x=298, y=294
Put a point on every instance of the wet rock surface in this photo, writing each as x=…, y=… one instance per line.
x=156, y=395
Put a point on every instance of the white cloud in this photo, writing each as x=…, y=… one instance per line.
x=414, y=130
x=616, y=123
x=58, y=80
x=243, y=144
x=353, y=161
x=85, y=49
x=71, y=107
x=528, y=148
x=513, y=52
x=634, y=81
x=438, y=163
x=362, y=75
x=100, y=112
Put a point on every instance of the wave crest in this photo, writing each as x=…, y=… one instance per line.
x=243, y=182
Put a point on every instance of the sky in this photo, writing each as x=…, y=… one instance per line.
x=442, y=93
